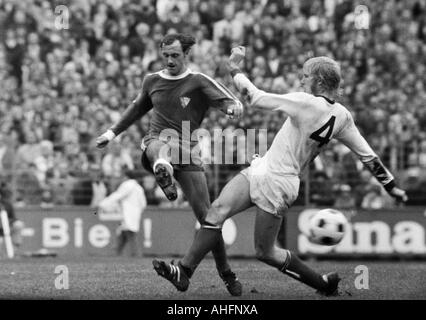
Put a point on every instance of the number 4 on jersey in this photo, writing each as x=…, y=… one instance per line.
x=325, y=139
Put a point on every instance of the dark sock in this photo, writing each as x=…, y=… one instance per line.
x=205, y=240
x=187, y=270
x=219, y=254
x=295, y=268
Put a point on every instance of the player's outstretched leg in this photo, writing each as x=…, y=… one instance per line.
x=234, y=198
x=194, y=186
x=157, y=155
x=267, y=227
x=324, y=284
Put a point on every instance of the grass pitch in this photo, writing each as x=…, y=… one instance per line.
x=127, y=278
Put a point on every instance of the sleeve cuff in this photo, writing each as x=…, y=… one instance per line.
x=389, y=186
x=235, y=71
x=109, y=135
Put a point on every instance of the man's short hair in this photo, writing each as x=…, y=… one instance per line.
x=326, y=71
x=186, y=41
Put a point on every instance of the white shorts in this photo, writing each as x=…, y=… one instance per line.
x=271, y=193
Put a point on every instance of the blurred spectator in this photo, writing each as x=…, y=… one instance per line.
x=67, y=86
x=62, y=184
x=413, y=180
x=138, y=43
x=29, y=190
x=16, y=225
x=146, y=12
x=28, y=151
x=175, y=20
x=47, y=197
x=229, y=28
x=99, y=188
x=92, y=189
x=165, y=7
x=366, y=182
x=422, y=154
x=7, y=154
x=351, y=166
x=321, y=190
x=150, y=187
x=131, y=201
x=114, y=161
x=374, y=199
x=344, y=197
x=44, y=161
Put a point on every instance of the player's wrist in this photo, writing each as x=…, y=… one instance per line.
x=109, y=134
x=234, y=71
x=233, y=68
x=389, y=186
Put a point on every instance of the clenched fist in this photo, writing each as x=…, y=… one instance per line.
x=101, y=142
x=237, y=55
x=398, y=194
x=104, y=139
x=235, y=110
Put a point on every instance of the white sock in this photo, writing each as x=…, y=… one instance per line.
x=164, y=162
x=325, y=278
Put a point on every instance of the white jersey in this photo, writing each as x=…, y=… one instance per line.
x=131, y=199
x=312, y=122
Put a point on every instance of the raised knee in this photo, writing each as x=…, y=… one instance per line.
x=220, y=208
x=217, y=213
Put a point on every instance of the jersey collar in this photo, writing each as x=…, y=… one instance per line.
x=164, y=75
x=328, y=100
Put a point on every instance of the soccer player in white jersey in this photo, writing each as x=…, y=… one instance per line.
x=271, y=183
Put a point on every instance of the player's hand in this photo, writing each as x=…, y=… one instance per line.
x=237, y=55
x=101, y=141
x=235, y=110
x=398, y=194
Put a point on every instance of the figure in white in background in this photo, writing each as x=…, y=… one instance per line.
x=130, y=200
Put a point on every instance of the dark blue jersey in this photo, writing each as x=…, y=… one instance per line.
x=176, y=100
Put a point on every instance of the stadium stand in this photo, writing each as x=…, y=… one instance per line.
x=62, y=87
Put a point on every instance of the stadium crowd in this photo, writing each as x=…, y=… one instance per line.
x=67, y=72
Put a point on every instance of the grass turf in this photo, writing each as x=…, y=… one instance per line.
x=126, y=278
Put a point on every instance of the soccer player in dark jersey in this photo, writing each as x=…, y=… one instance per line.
x=179, y=99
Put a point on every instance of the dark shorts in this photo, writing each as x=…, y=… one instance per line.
x=194, y=165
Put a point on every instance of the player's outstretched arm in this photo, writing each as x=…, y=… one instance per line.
x=220, y=97
x=352, y=138
x=290, y=103
x=243, y=84
x=138, y=108
x=383, y=175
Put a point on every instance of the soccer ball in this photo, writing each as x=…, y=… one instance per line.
x=327, y=227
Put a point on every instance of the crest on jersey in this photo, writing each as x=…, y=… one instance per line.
x=184, y=101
